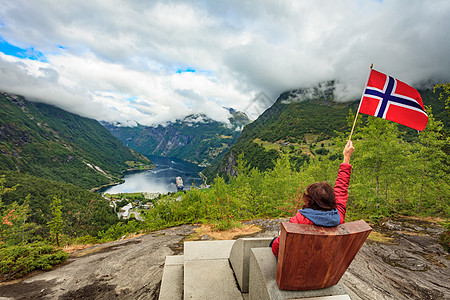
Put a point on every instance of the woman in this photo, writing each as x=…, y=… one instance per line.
x=323, y=205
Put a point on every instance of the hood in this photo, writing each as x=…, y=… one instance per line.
x=327, y=218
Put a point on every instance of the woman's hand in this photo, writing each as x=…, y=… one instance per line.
x=348, y=150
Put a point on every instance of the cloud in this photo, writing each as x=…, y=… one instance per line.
x=158, y=61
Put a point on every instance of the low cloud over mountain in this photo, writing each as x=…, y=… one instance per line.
x=160, y=61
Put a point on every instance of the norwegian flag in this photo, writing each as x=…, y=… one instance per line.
x=388, y=98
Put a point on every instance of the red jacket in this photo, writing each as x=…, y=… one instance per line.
x=341, y=195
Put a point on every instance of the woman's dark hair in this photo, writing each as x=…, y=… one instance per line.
x=319, y=195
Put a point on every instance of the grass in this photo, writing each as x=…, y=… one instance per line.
x=124, y=195
x=380, y=238
x=206, y=229
x=304, y=148
x=76, y=247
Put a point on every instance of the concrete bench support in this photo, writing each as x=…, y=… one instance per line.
x=241, y=269
x=263, y=284
x=210, y=279
x=207, y=272
x=240, y=258
x=172, y=280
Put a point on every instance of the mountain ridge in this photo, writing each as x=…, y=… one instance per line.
x=297, y=122
x=45, y=141
x=196, y=138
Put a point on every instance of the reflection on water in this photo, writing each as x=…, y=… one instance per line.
x=161, y=179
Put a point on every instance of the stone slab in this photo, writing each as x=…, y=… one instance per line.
x=210, y=279
x=240, y=258
x=263, y=285
x=174, y=260
x=200, y=250
x=172, y=279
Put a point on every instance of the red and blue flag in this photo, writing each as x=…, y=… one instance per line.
x=391, y=99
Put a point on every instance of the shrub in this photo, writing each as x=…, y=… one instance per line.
x=444, y=238
x=16, y=261
x=119, y=230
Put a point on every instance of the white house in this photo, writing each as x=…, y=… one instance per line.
x=125, y=211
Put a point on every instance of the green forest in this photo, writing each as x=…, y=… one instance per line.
x=395, y=172
x=40, y=216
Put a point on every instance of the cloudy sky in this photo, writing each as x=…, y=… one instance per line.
x=156, y=61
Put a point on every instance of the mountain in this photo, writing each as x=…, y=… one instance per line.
x=196, y=138
x=45, y=141
x=301, y=122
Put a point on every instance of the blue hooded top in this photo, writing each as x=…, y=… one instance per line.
x=327, y=218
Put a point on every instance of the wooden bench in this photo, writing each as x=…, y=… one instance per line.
x=313, y=257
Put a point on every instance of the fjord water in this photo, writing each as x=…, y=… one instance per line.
x=161, y=179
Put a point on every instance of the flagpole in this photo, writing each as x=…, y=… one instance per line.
x=360, y=101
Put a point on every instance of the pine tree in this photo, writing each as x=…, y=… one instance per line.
x=56, y=224
x=444, y=93
x=434, y=178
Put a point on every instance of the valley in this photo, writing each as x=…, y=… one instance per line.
x=160, y=179
x=196, y=138
x=271, y=162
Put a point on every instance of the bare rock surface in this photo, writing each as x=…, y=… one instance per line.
x=412, y=265
x=407, y=263
x=127, y=269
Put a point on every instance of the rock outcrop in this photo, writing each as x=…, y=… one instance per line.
x=402, y=260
